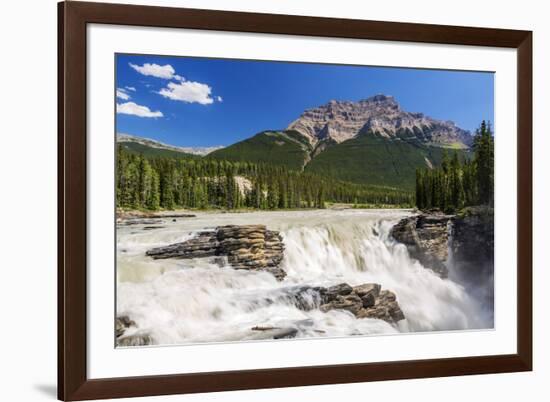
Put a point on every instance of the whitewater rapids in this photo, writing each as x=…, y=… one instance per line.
x=196, y=301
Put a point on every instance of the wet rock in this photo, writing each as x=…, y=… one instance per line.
x=368, y=293
x=351, y=303
x=134, y=340
x=277, y=272
x=275, y=332
x=122, y=323
x=303, y=297
x=367, y=301
x=249, y=247
x=426, y=237
x=363, y=301
x=385, y=308
x=332, y=292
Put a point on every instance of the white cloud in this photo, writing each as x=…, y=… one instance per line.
x=219, y=99
x=133, y=89
x=134, y=109
x=166, y=72
x=121, y=93
x=188, y=91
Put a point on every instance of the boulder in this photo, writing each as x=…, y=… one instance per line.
x=350, y=302
x=332, y=292
x=363, y=301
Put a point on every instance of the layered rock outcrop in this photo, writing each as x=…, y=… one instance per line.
x=250, y=247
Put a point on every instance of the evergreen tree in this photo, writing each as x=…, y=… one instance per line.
x=455, y=181
x=454, y=185
x=484, y=160
x=153, y=201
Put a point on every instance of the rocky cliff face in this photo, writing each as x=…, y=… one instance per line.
x=340, y=121
x=472, y=243
x=426, y=237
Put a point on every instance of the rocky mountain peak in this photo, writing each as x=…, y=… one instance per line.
x=342, y=120
x=381, y=99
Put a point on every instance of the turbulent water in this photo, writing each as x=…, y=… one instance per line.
x=191, y=301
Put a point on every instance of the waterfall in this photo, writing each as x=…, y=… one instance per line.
x=182, y=301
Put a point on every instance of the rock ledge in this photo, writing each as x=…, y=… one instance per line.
x=250, y=247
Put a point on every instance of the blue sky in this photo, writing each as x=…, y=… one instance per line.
x=204, y=102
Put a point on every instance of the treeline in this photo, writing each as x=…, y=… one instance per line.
x=168, y=183
x=455, y=183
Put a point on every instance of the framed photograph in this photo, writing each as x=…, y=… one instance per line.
x=253, y=200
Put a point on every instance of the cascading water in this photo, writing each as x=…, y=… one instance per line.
x=191, y=301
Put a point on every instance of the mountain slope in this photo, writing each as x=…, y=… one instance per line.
x=284, y=148
x=371, y=158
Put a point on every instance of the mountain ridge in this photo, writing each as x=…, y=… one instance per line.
x=343, y=120
x=201, y=151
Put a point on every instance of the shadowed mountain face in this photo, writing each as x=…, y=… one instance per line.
x=372, y=141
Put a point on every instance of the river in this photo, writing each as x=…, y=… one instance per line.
x=195, y=301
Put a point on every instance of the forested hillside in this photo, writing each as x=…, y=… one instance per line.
x=368, y=158
x=282, y=148
x=146, y=182
x=371, y=158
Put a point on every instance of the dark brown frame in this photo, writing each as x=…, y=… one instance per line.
x=73, y=17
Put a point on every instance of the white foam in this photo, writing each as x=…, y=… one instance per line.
x=181, y=301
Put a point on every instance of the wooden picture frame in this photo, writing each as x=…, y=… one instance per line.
x=73, y=17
